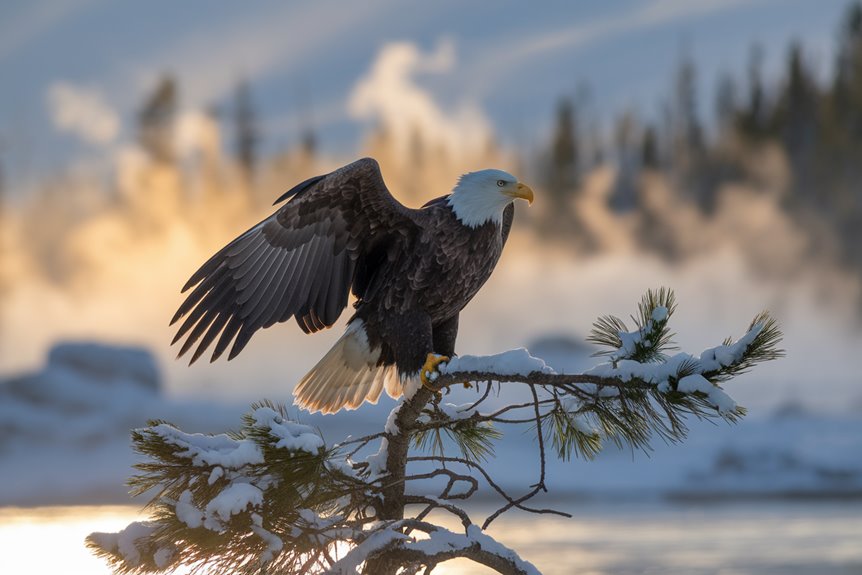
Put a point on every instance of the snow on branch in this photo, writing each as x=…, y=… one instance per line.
x=437, y=546
x=637, y=362
x=270, y=495
x=273, y=497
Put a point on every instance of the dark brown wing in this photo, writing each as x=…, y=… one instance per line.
x=300, y=262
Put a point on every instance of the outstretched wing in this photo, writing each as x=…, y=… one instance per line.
x=300, y=262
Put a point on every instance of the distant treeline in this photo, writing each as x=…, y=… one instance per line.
x=811, y=124
x=814, y=124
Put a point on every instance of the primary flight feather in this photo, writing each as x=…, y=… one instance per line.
x=412, y=271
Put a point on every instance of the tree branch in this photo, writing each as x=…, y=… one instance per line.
x=432, y=504
x=407, y=556
x=442, y=545
x=559, y=380
x=299, y=499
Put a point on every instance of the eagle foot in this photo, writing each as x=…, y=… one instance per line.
x=430, y=372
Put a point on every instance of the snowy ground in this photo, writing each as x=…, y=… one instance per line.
x=64, y=439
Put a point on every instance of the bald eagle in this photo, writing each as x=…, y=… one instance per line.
x=412, y=271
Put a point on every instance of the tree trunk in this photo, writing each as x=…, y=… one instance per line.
x=392, y=504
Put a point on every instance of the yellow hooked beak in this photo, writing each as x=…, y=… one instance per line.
x=522, y=191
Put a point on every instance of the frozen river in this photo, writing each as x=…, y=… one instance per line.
x=747, y=538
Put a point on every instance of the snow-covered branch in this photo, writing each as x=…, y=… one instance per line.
x=274, y=497
x=682, y=373
x=440, y=545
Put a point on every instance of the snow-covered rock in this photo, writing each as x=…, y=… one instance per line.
x=81, y=377
x=85, y=392
x=64, y=429
x=107, y=364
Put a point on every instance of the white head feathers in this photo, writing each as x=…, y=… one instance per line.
x=482, y=196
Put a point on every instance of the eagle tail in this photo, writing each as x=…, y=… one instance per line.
x=347, y=375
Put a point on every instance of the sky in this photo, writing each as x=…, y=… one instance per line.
x=74, y=72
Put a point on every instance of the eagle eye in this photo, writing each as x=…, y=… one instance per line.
x=501, y=183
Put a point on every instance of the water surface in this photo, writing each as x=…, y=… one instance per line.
x=602, y=539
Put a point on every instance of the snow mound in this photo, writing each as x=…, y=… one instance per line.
x=513, y=362
x=64, y=429
x=107, y=363
x=79, y=377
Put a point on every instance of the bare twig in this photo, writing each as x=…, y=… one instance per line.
x=540, y=486
x=506, y=409
x=437, y=504
x=453, y=479
x=483, y=398
x=360, y=443
x=491, y=483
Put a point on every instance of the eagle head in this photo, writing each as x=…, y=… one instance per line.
x=482, y=196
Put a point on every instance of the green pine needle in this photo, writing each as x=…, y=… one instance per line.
x=653, y=337
x=474, y=440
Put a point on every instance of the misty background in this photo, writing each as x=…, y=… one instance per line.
x=712, y=147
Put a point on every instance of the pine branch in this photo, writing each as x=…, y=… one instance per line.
x=649, y=341
x=640, y=392
x=268, y=496
x=272, y=497
x=473, y=436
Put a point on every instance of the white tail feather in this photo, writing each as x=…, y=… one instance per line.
x=347, y=375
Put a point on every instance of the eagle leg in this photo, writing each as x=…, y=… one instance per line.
x=429, y=372
x=445, y=334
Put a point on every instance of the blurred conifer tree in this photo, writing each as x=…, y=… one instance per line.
x=246, y=136
x=156, y=120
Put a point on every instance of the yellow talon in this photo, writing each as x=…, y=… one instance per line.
x=429, y=372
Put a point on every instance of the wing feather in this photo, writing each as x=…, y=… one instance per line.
x=301, y=297
x=212, y=299
x=271, y=296
x=318, y=288
x=250, y=283
x=332, y=302
x=212, y=331
x=206, y=319
x=242, y=339
x=247, y=250
x=298, y=263
x=282, y=312
x=199, y=292
x=263, y=289
x=226, y=337
x=297, y=294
